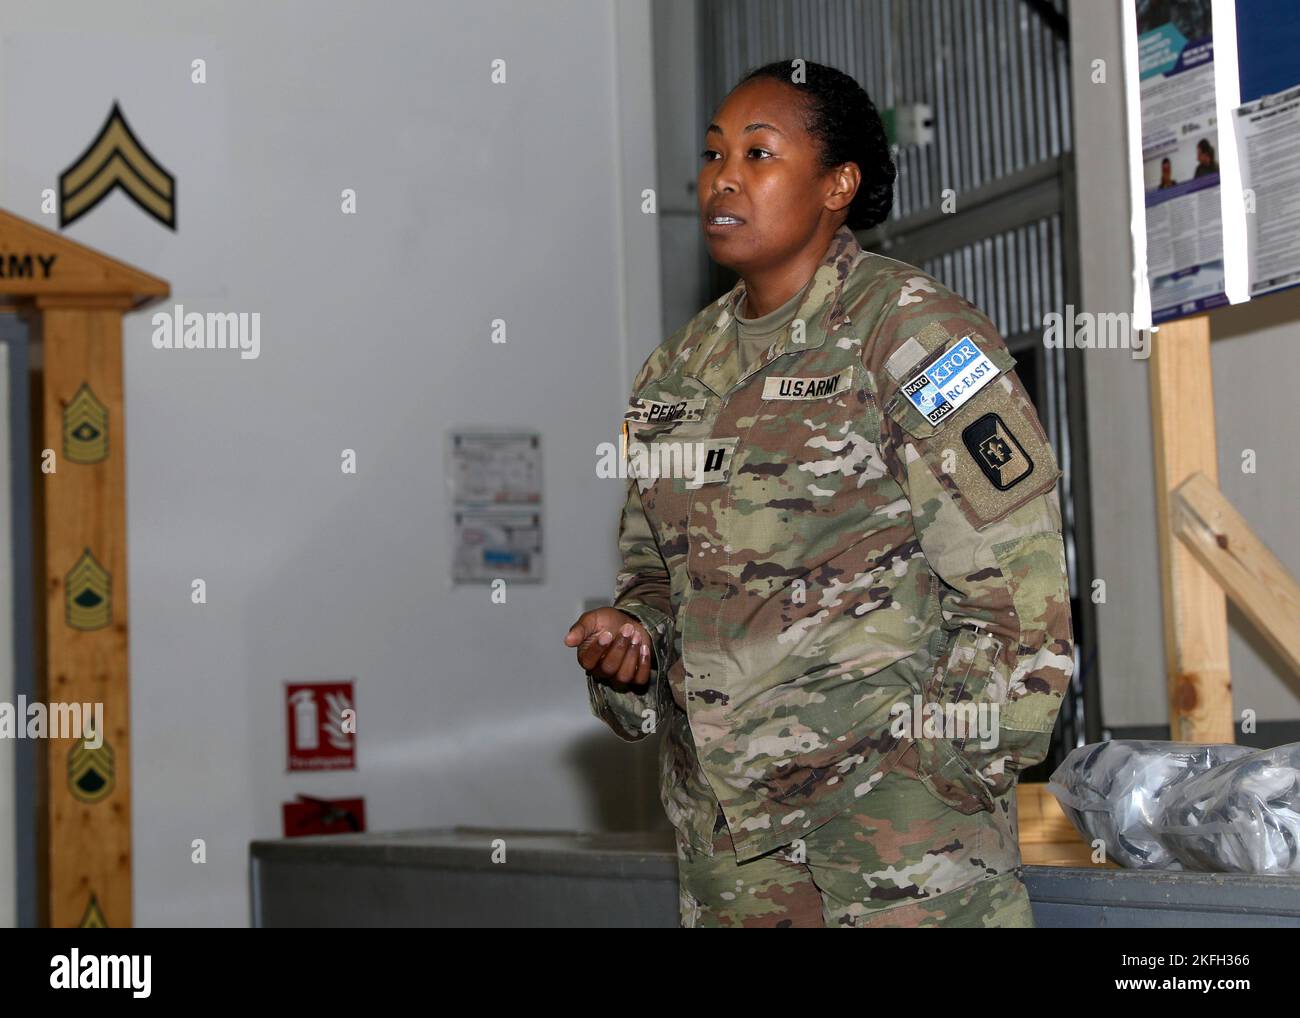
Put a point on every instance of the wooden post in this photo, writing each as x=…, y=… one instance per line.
x=75, y=298
x=84, y=572
x=1195, y=612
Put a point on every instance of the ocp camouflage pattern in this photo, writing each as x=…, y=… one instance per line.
x=842, y=554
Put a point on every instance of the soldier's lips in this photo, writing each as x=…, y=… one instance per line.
x=719, y=225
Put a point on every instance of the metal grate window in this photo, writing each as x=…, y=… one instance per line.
x=992, y=70
x=1016, y=277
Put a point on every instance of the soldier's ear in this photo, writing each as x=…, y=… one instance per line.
x=844, y=185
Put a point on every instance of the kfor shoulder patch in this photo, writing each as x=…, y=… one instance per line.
x=997, y=452
x=958, y=374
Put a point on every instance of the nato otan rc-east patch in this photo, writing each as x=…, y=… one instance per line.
x=85, y=427
x=942, y=388
x=87, y=593
x=90, y=771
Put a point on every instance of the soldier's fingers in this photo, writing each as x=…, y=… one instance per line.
x=631, y=659
x=588, y=625
x=593, y=648
x=613, y=656
x=635, y=671
x=576, y=634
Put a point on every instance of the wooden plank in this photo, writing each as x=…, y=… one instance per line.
x=87, y=829
x=1248, y=572
x=1195, y=611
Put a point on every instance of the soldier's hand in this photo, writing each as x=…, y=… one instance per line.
x=613, y=647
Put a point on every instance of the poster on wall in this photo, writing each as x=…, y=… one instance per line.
x=492, y=545
x=1180, y=164
x=496, y=487
x=1268, y=143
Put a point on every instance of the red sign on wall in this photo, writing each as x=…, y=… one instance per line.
x=322, y=726
x=324, y=816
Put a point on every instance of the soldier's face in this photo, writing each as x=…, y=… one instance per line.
x=762, y=193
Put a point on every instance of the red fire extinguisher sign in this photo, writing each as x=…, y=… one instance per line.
x=322, y=726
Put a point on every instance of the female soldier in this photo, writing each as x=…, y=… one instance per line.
x=852, y=613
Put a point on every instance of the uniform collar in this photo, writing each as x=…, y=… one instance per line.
x=712, y=361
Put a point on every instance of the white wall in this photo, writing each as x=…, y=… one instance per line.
x=8, y=748
x=1256, y=374
x=519, y=201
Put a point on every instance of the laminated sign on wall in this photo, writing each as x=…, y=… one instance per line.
x=496, y=481
x=1180, y=162
x=1268, y=141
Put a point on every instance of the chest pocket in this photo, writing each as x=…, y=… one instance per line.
x=665, y=448
x=665, y=426
x=814, y=447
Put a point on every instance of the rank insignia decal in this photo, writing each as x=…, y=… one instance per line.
x=90, y=771
x=996, y=451
x=712, y=462
x=93, y=918
x=87, y=594
x=85, y=428
x=116, y=159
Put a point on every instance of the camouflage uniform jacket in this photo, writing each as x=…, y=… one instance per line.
x=874, y=522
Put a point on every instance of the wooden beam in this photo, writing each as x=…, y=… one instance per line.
x=87, y=824
x=1195, y=611
x=1248, y=572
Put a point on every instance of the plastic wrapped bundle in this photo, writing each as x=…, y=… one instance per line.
x=1241, y=818
x=1115, y=791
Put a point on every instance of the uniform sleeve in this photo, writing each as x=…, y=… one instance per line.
x=643, y=590
x=965, y=444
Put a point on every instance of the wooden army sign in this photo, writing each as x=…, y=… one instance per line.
x=73, y=299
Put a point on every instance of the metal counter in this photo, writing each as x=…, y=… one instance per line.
x=572, y=879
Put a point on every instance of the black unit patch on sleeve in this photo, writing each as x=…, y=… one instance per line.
x=997, y=452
